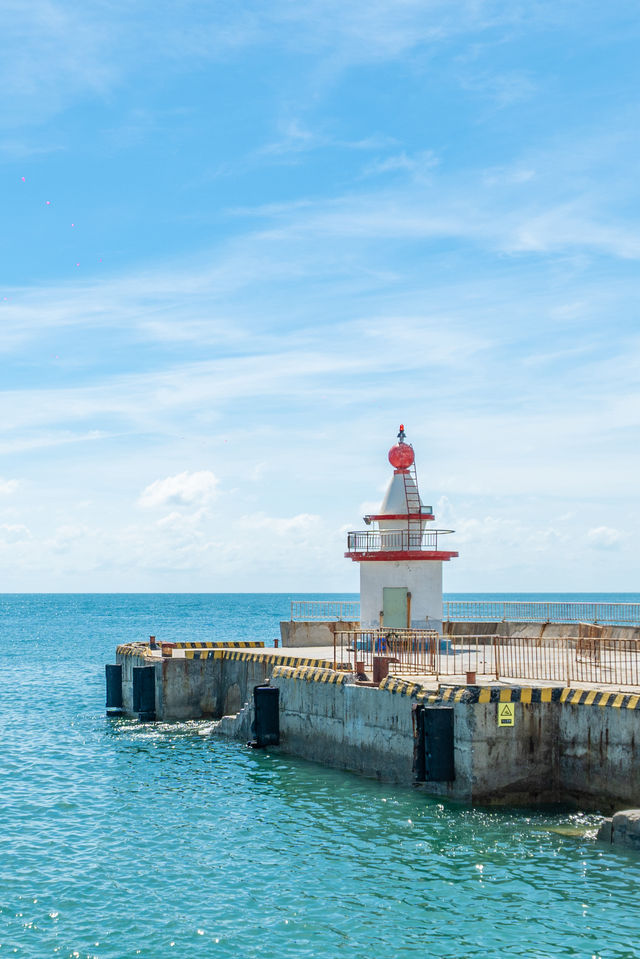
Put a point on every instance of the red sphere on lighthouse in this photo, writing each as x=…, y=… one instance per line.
x=401, y=456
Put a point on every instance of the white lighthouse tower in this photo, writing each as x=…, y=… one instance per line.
x=401, y=556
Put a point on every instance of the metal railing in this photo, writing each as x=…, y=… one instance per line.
x=394, y=540
x=587, y=658
x=328, y=610
x=477, y=611
x=565, y=660
x=409, y=650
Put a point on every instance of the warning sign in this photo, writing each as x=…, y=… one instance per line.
x=505, y=714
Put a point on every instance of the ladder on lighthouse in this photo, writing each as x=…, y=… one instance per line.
x=414, y=508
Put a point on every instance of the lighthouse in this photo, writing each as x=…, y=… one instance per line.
x=400, y=556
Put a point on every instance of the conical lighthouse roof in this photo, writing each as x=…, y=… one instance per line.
x=395, y=499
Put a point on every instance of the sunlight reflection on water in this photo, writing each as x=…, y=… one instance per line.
x=127, y=840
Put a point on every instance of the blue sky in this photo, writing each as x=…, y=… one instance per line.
x=242, y=242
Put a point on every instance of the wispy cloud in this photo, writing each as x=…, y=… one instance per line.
x=60, y=53
x=421, y=162
x=11, y=533
x=499, y=89
x=419, y=220
x=605, y=537
x=53, y=54
x=185, y=489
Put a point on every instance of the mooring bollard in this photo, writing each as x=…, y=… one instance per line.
x=380, y=668
x=152, y=642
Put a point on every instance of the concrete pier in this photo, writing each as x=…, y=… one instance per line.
x=511, y=743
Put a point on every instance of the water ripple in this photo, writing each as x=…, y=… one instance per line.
x=123, y=840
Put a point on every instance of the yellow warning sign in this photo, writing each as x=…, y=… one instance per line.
x=505, y=714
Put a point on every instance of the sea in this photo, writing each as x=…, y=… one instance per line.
x=120, y=839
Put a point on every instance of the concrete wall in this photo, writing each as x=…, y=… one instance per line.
x=312, y=633
x=320, y=633
x=565, y=745
x=585, y=755
x=195, y=688
x=235, y=682
x=515, y=764
x=599, y=754
x=186, y=688
x=370, y=731
x=128, y=660
x=422, y=579
x=534, y=630
x=347, y=726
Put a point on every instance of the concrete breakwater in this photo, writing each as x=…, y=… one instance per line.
x=321, y=632
x=516, y=744
x=547, y=632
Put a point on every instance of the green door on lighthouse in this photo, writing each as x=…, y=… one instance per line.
x=394, y=607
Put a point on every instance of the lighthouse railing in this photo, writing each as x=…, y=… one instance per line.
x=394, y=540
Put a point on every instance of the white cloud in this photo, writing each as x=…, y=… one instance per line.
x=57, y=53
x=281, y=526
x=605, y=537
x=184, y=489
x=7, y=487
x=14, y=533
x=503, y=89
x=71, y=536
x=184, y=524
x=403, y=163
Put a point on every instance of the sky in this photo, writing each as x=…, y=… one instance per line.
x=243, y=242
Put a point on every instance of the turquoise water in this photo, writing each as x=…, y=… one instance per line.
x=122, y=840
x=548, y=597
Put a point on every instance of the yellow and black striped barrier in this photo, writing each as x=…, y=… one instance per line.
x=276, y=659
x=513, y=694
x=245, y=656
x=593, y=697
x=400, y=686
x=236, y=653
x=220, y=644
x=311, y=674
x=203, y=654
x=133, y=649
